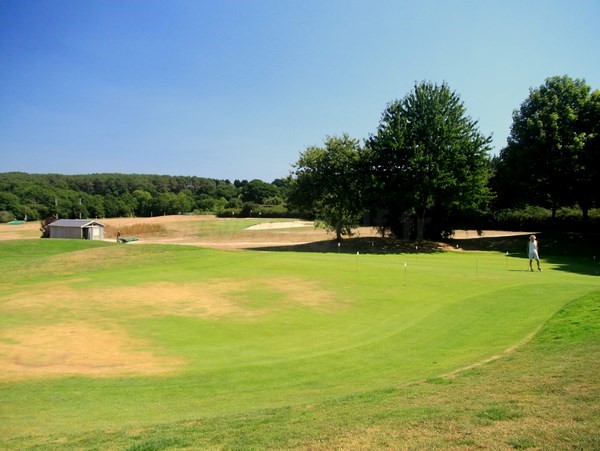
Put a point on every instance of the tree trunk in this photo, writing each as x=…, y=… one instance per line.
x=421, y=225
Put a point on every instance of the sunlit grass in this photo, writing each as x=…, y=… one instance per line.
x=300, y=350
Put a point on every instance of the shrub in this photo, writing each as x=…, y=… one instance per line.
x=44, y=226
x=539, y=218
x=6, y=216
x=527, y=218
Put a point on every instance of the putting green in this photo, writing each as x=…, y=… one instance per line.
x=96, y=335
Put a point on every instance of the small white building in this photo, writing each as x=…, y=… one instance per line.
x=82, y=229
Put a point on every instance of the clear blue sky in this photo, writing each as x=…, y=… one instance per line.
x=236, y=89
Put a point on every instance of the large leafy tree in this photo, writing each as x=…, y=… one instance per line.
x=326, y=181
x=588, y=176
x=428, y=161
x=545, y=161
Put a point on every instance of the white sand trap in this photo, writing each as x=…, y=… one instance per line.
x=280, y=225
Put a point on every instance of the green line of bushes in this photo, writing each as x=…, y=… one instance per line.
x=539, y=218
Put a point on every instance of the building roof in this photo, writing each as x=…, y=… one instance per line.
x=74, y=223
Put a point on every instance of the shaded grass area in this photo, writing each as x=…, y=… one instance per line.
x=543, y=396
x=364, y=245
x=572, y=252
x=552, y=244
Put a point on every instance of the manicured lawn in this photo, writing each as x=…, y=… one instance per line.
x=130, y=337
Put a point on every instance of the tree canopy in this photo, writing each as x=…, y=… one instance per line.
x=551, y=154
x=428, y=161
x=38, y=196
x=326, y=181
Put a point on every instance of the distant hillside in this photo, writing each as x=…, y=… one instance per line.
x=36, y=196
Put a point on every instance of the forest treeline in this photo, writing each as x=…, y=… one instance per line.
x=37, y=196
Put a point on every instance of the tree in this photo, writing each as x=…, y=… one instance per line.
x=44, y=226
x=258, y=191
x=166, y=204
x=544, y=160
x=115, y=207
x=144, y=202
x=589, y=164
x=428, y=161
x=325, y=181
x=184, y=202
x=10, y=202
x=226, y=189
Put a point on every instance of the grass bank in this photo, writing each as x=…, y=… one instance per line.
x=283, y=350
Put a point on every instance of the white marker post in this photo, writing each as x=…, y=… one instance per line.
x=357, y=260
x=405, y=265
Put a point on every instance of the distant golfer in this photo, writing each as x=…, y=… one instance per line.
x=532, y=250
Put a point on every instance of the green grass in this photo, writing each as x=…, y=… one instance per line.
x=362, y=364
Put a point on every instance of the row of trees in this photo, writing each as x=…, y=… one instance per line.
x=36, y=196
x=427, y=168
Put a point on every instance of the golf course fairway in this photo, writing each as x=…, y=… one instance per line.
x=99, y=336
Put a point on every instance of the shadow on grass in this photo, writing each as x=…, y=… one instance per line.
x=572, y=252
x=370, y=245
x=511, y=244
x=377, y=245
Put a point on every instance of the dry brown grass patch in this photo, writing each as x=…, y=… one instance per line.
x=211, y=298
x=63, y=341
x=77, y=349
x=131, y=230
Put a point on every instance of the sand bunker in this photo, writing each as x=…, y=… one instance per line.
x=281, y=225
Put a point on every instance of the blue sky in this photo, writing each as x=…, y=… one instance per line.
x=237, y=89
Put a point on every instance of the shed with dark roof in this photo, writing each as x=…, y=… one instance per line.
x=81, y=229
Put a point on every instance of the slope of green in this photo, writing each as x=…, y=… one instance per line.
x=287, y=329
